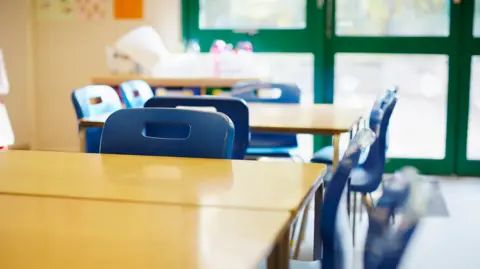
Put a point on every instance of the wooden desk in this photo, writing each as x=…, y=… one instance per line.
x=45, y=232
x=202, y=83
x=319, y=119
x=161, y=180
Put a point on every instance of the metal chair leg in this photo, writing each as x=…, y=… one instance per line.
x=367, y=200
x=349, y=198
x=393, y=216
x=354, y=216
x=301, y=233
x=361, y=213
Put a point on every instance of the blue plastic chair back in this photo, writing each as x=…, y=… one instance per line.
x=375, y=162
x=91, y=101
x=335, y=225
x=95, y=100
x=135, y=93
x=289, y=94
x=384, y=99
x=236, y=109
x=195, y=134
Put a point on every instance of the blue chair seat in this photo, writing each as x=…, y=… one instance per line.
x=271, y=151
x=361, y=180
x=294, y=264
x=269, y=144
x=264, y=143
x=325, y=155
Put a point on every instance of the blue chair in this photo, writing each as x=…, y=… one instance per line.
x=325, y=154
x=94, y=100
x=236, y=109
x=335, y=225
x=367, y=176
x=189, y=133
x=269, y=144
x=385, y=244
x=135, y=93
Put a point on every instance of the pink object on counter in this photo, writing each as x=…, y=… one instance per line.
x=216, y=49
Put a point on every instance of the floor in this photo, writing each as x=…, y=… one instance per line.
x=440, y=242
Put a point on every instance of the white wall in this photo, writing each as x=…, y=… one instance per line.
x=46, y=60
x=70, y=53
x=17, y=45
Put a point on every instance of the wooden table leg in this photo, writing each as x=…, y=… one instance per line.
x=82, y=137
x=336, y=151
x=279, y=258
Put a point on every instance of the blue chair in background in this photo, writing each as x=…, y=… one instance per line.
x=269, y=144
x=325, y=154
x=94, y=100
x=135, y=93
x=367, y=177
x=236, y=109
x=196, y=134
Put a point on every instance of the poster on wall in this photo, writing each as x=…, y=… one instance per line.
x=55, y=9
x=128, y=9
x=91, y=9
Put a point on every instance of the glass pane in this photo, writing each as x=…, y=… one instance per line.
x=473, y=142
x=392, y=17
x=476, y=28
x=418, y=124
x=252, y=14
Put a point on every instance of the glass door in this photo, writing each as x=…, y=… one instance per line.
x=271, y=25
x=287, y=37
x=411, y=44
x=469, y=104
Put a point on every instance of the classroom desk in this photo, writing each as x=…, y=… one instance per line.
x=161, y=180
x=48, y=232
x=202, y=83
x=318, y=119
x=239, y=184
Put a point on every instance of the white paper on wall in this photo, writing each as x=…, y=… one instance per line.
x=4, y=85
x=6, y=132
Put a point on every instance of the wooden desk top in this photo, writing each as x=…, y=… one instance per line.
x=115, y=80
x=50, y=232
x=283, y=186
x=321, y=119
